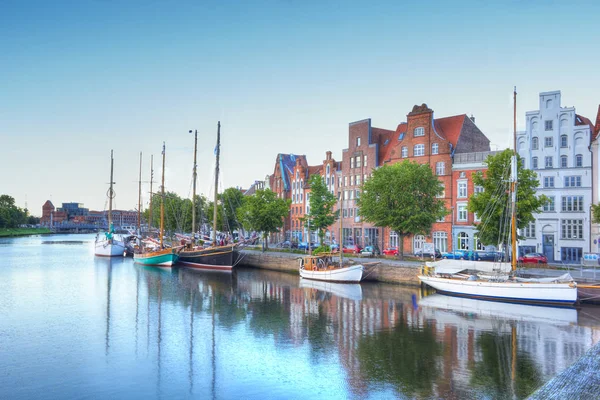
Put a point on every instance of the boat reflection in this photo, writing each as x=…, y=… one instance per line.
x=352, y=291
x=473, y=308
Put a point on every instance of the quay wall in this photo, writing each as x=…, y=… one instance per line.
x=382, y=271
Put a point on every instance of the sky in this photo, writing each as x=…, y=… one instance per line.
x=79, y=78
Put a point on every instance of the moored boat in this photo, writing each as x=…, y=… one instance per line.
x=323, y=268
x=108, y=245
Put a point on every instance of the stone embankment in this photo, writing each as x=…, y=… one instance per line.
x=379, y=270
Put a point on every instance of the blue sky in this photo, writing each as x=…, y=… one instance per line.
x=79, y=78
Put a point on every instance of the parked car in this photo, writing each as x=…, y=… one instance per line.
x=436, y=254
x=370, y=251
x=455, y=255
x=390, y=251
x=285, y=245
x=489, y=256
x=533, y=258
x=351, y=248
x=334, y=248
x=304, y=246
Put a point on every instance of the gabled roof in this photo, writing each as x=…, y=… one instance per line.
x=450, y=127
x=48, y=204
x=286, y=163
x=596, y=130
x=581, y=120
x=388, y=142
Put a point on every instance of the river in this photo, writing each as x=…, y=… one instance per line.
x=76, y=326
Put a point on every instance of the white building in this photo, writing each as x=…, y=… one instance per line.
x=556, y=146
x=594, y=147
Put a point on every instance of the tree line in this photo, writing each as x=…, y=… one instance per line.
x=12, y=216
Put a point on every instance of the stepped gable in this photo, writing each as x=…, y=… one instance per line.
x=286, y=163
x=596, y=130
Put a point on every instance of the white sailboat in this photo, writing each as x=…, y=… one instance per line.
x=322, y=267
x=107, y=245
x=456, y=279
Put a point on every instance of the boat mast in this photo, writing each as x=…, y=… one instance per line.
x=151, y=194
x=162, y=199
x=513, y=186
x=194, y=186
x=340, y=246
x=139, y=219
x=110, y=192
x=218, y=149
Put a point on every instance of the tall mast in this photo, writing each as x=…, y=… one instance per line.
x=162, y=199
x=151, y=193
x=513, y=186
x=139, y=219
x=110, y=192
x=194, y=186
x=218, y=149
x=341, y=241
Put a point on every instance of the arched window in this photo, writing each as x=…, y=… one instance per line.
x=328, y=169
x=463, y=241
x=534, y=143
x=478, y=244
x=579, y=160
x=404, y=152
x=563, y=141
x=434, y=148
x=440, y=241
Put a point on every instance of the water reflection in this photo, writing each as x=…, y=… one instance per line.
x=257, y=334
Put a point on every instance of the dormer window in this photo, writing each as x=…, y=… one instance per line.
x=420, y=131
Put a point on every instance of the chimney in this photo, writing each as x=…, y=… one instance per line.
x=472, y=118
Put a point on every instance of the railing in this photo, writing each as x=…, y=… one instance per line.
x=466, y=158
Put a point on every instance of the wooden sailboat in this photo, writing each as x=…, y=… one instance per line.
x=161, y=257
x=107, y=245
x=502, y=287
x=216, y=257
x=322, y=267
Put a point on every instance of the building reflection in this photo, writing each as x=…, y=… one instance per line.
x=386, y=337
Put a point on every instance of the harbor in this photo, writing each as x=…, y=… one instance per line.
x=185, y=333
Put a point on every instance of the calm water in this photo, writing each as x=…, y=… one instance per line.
x=75, y=326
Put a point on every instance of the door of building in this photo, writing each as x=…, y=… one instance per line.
x=548, y=243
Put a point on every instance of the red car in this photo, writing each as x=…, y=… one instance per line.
x=392, y=251
x=533, y=258
x=354, y=249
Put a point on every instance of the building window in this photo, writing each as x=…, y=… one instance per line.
x=548, y=125
x=571, y=229
x=478, y=189
x=563, y=161
x=462, y=190
x=358, y=161
x=351, y=162
x=563, y=141
x=548, y=141
x=572, y=203
x=419, y=150
x=534, y=162
x=345, y=181
x=393, y=239
x=357, y=194
x=365, y=160
x=327, y=169
x=434, y=148
x=463, y=241
x=364, y=177
x=420, y=131
x=579, y=160
x=571, y=254
x=548, y=162
x=440, y=168
x=534, y=143
x=345, y=212
x=418, y=243
x=358, y=179
x=440, y=241
x=529, y=230
x=358, y=142
x=443, y=193
x=549, y=206
x=351, y=180
x=404, y=152
x=548, y=181
x=572, y=181
x=462, y=212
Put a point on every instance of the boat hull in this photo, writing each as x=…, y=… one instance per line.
x=516, y=292
x=352, y=273
x=163, y=258
x=588, y=293
x=222, y=259
x=109, y=248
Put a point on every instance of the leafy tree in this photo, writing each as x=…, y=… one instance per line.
x=321, y=204
x=230, y=200
x=263, y=212
x=596, y=213
x=403, y=197
x=493, y=204
x=11, y=216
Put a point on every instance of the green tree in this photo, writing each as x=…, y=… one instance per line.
x=11, y=216
x=493, y=204
x=229, y=202
x=263, y=212
x=596, y=213
x=403, y=197
x=321, y=202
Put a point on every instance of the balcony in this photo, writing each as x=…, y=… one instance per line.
x=469, y=158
